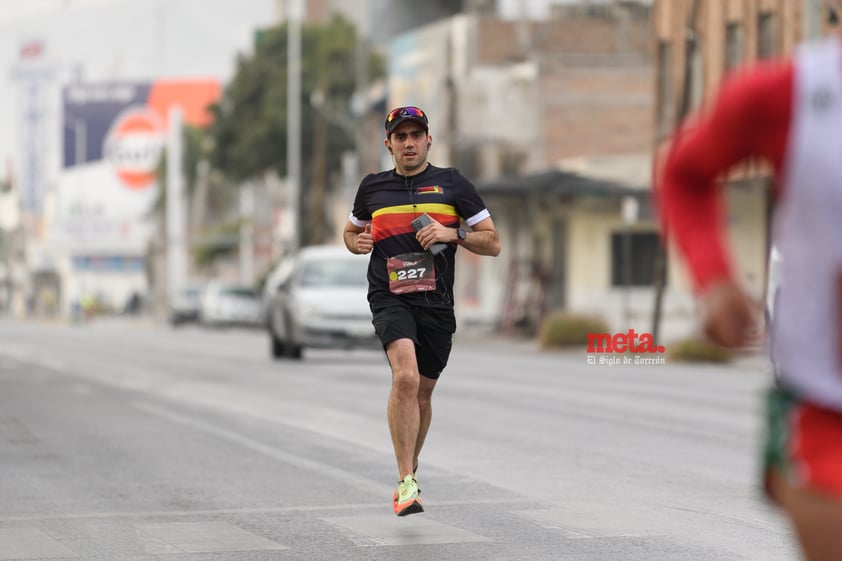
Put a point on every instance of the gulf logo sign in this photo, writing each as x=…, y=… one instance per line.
x=133, y=146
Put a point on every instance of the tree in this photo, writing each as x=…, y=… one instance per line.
x=209, y=196
x=249, y=129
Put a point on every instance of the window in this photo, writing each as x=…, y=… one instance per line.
x=334, y=273
x=733, y=45
x=239, y=292
x=512, y=162
x=696, y=77
x=633, y=256
x=467, y=161
x=766, y=35
x=482, y=7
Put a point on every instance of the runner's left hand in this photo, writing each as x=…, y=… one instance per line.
x=433, y=233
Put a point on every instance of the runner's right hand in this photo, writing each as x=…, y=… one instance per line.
x=730, y=315
x=365, y=241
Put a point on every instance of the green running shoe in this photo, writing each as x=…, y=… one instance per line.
x=395, y=495
x=408, y=497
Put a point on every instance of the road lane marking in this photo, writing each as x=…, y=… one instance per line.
x=387, y=529
x=347, y=478
x=242, y=511
x=30, y=543
x=200, y=537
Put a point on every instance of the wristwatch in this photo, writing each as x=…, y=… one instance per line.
x=461, y=235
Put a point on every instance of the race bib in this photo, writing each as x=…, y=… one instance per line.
x=411, y=272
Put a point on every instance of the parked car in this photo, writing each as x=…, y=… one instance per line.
x=186, y=304
x=319, y=301
x=229, y=304
x=279, y=274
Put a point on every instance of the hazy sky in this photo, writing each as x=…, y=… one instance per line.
x=15, y=10
x=136, y=40
x=113, y=40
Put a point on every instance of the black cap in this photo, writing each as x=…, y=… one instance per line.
x=402, y=114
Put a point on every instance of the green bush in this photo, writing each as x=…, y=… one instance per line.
x=564, y=329
x=696, y=350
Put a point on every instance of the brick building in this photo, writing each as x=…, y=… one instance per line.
x=590, y=72
x=517, y=105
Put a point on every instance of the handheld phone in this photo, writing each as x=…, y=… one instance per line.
x=422, y=221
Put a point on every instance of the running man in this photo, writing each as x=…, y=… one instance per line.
x=788, y=113
x=411, y=288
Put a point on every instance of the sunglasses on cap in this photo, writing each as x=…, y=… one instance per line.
x=402, y=113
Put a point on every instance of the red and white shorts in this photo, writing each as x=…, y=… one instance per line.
x=804, y=443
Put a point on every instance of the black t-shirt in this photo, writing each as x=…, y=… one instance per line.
x=391, y=202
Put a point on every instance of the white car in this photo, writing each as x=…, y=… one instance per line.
x=186, y=304
x=319, y=300
x=229, y=304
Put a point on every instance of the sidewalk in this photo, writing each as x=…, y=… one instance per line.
x=755, y=359
x=475, y=338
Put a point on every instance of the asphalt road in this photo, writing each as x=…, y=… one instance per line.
x=131, y=441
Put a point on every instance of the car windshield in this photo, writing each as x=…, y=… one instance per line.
x=239, y=292
x=336, y=273
x=191, y=293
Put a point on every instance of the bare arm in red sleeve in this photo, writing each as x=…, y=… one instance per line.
x=749, y=118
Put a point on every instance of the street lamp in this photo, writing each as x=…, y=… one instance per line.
x=294, y=117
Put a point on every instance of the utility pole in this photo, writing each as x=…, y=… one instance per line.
x=359, y=103
x=175, y=219
x=294, y=119
x=247, y=233
x=199, y=199
x=683, y=110
x=318, y=187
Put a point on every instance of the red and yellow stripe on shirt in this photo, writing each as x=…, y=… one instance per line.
x=396, y=220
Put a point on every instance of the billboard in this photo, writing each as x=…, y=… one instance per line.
x=114, y=135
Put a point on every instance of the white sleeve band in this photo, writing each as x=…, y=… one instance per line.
x=478, y=217
x=356, y=222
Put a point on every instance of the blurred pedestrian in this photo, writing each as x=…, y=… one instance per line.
x=133, y=304
x=88, y=305
x=789, y=114
x=410, y=283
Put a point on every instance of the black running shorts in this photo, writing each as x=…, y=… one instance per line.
x=430, y=328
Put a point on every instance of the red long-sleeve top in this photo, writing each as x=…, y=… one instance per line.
x=749, y=118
